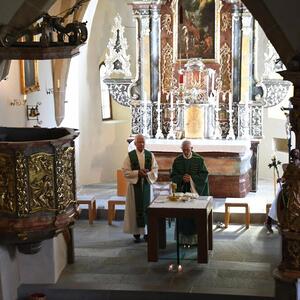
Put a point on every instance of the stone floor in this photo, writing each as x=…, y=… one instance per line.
x=109, y=265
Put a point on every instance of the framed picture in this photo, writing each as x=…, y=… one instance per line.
x=29, y=76
x=196, y=29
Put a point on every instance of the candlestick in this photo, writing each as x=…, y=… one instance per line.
x=207, y=82
x=230, y=101
x=158, y=99
x=218, y=130
x=230, y=135
x=213, y=80
x=159, y=134
x=171, y=134
x=180, y=78
x=145, y=121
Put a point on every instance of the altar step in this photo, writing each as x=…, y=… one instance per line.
x=88, y=292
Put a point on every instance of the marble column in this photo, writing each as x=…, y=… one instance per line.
x=236, y=49
x=246, y=74
x=247, y=56
x=146, y=84
x=155, y=51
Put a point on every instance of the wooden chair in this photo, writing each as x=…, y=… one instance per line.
x=120, y=199
x=236, y=202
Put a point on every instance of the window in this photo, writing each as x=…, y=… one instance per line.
x=105, y=96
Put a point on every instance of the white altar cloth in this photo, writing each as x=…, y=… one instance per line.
x=199, y=145
x=163, y=202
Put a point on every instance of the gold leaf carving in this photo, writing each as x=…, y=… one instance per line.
x=167, y=54
x=225, y=67
x=22, y=184
x=64, y=178
x=226, y=21
x=7, y=190
x=41, y=182
x=166, y=23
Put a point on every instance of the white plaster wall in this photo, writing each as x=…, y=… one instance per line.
x=14, y=116
x=10, y=89
x=46, y=265
x=46, y=109
x=9, y=273
x=43, y=267
x=272, y=128
x=103, y=145
x=60, y=254
x=274, y=121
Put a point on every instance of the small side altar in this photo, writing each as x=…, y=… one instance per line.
x=228, y=163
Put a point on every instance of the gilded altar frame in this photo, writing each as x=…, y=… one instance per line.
x=29, y=78
x=216, y=37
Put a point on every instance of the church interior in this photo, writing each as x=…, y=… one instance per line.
x=79, y=79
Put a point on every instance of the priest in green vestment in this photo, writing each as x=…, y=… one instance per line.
x=191, y=176
x=140, y=170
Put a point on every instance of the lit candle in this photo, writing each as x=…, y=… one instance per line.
x=196, y=76
x=145, y=101
x=213, y=80
x=180, y=77
x=217, y=99
x=230, y=101
x=24, y=97
x=207, y=82
x=179, y=268
x=58, y=84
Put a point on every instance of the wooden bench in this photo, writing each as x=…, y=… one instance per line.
x=236, y=202
x=111, y=213
x=91, y=202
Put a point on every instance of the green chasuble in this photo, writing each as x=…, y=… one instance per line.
x=196, y=168
x=141, y=188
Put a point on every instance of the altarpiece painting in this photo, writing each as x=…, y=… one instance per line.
x=196, y=29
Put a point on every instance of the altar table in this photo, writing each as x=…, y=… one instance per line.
x=200, y=209
x=230, y=163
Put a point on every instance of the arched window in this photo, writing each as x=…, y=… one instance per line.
x=106, y=109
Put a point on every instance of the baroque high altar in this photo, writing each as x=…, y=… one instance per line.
x=192, y=81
